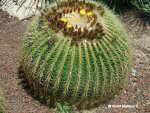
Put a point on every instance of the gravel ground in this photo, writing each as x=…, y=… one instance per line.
x=133, y=98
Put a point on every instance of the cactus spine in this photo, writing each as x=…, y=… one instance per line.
x=76, y=52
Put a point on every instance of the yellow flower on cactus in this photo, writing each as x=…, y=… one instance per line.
x=64, y=19
x=82, y=12
x=69, y=25
x=89, y=13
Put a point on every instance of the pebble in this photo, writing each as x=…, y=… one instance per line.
x=134, y=72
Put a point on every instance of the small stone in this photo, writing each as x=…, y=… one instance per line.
x=134, y=72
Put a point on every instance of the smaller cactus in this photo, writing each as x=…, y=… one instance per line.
x=116, y=4
x=143, y=5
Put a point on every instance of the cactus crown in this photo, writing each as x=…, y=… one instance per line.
x=76, y=19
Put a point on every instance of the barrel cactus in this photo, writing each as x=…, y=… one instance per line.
x=76, y=52
x=143, y=5
x=116, y=5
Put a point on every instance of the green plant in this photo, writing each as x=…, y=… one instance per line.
x=64, y=108
x=143, y=5
x=2, y=108
x=77, y=52
x=116, y=5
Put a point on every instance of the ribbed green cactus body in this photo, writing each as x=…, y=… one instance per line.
x=60, y=68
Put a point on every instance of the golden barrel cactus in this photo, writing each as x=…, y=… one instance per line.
x=76, y=51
